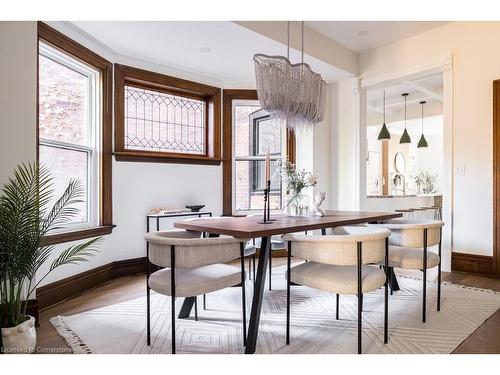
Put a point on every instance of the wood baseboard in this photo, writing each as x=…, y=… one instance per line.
x=63, y=289
x=472, y=263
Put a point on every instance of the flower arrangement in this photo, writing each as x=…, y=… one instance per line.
x=426, y=182
x=294, y=180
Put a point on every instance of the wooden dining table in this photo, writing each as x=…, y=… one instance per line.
x=252, y=227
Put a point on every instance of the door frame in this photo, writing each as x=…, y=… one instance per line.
x=496, y=176
x=445, y=67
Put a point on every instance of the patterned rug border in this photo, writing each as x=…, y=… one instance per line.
x=78, y=346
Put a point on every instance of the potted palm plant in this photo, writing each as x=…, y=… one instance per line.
x=26, y=217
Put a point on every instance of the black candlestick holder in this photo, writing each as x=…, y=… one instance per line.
x=269, y=202
x=267, y=212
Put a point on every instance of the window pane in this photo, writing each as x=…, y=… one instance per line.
x=65, y=165
x=157, y=121
x=242, y=146
x=268, y=136
x=249, y=184
x=63, y=102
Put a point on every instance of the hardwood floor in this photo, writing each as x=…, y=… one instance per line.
x=485, y=340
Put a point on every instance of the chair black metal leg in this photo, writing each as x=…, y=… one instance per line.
x=424, y=291
x=386, y=293
x=439, y=273
x=270, y=267
x=260, y=279
x=172, y=285
x=288, y=281
x=360, y=299
x=196, y=308
x=243, y=296
x=337, y=306
x=204, y=302
x=148, y=298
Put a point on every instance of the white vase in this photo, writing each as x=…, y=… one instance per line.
x=20, y=339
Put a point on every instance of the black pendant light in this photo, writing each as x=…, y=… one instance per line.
x=405, y=138
x=384, y=132
x=422, y=142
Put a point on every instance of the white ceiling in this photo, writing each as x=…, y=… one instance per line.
x=428, y=89
x=378, y=33
x=177, y=45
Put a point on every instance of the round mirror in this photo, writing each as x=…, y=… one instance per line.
x=399, y=162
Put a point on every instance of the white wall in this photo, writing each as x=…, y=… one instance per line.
x=476, y=63
x=137, y=187
x=18, y=62
x=344, y=138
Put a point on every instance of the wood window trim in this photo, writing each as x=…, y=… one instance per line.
x=227, y=144
x=127, y=75
x=60, y=41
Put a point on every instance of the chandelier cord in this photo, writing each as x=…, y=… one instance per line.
x=302, y=41
x=288, y=40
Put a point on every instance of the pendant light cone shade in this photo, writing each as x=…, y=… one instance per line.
x=405, y=138
x=422, y=142
x=384, y=132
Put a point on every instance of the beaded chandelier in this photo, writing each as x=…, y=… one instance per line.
x=292, y=92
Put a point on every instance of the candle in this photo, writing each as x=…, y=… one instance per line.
x=268, y=167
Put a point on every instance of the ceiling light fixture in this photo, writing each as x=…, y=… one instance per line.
x=384, y=132
x=292, y=92
x=205, y=49
x=363, y=33
x=422, y=142
x=405, y=138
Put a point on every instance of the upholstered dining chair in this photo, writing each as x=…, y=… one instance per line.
x=250, y=254
x=408, y=248
x=340, y=264
x=193, y=266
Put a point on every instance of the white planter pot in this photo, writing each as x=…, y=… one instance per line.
x=20, y=339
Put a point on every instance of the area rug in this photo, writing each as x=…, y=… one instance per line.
x=121, y=328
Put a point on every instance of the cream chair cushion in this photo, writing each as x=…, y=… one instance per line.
x=410, y=258
x=337, y=279
x=196, y=281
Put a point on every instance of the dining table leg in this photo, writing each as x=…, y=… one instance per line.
x=260, y=279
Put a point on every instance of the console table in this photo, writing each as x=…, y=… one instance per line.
x=175, y=214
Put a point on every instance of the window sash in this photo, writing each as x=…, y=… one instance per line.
x=130, y=76
x=180, y=96
x=252, y=141
x=94, y=129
